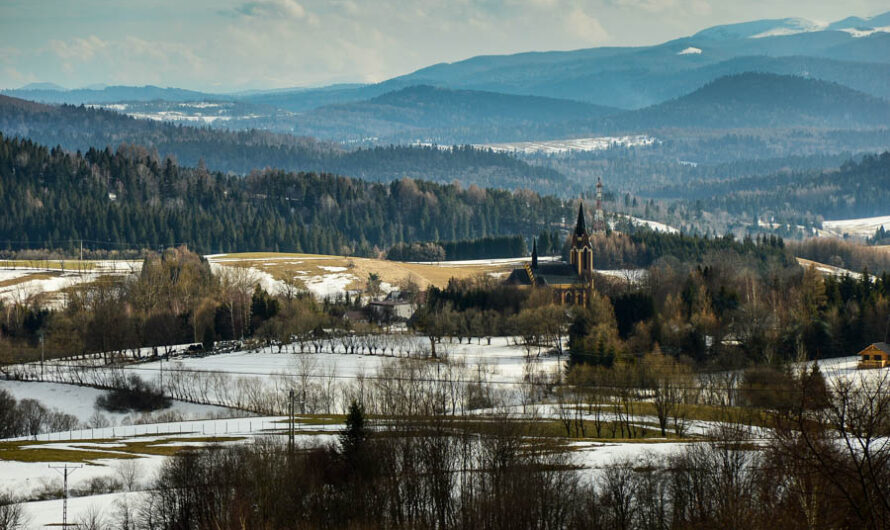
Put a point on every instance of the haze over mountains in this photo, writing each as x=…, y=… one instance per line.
x=781, y=93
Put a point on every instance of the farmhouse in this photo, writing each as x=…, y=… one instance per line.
x=876, y=355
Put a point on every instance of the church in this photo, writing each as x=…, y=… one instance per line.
x=570, y=282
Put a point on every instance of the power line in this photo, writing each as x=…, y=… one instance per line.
x=65, y=470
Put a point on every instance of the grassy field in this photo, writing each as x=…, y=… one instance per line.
x=297, y=268
x=86, y=451
x=71, y=265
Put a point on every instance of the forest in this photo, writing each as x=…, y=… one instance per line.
x=131, y=199
x=82, y=128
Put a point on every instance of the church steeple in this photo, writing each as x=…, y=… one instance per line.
x=581, y=253
x=580, y=228
x=535, y=253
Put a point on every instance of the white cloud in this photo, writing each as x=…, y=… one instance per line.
x=585, y=27
x=272, y=9
x=81, y=49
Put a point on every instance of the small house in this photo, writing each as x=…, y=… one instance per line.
x=876, y=355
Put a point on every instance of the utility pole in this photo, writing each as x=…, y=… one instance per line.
x=291, y=428
x=65, y=470
x=42, y=352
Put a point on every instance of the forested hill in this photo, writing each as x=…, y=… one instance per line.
x=80, y=128
x=752, y=100
x=445, y=115
x=856, y=189
x=51, y=198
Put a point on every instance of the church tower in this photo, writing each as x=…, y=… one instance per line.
x=581, y=253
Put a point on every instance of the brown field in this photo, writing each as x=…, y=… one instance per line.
x=29, y=277
x=293, y=267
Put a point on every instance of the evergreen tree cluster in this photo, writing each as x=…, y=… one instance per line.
x=486, y=248
x=130, y=198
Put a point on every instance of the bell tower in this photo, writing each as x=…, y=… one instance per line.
x=581, y=253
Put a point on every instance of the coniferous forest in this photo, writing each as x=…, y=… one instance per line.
x=130, y=199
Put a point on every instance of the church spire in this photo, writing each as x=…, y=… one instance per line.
x=535, y=253
x=580, y=228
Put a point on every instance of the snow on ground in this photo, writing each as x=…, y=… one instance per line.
x=862, y=227
x=630, y=275
x=79, y=401
x=22, y=287
x=865, y=32
x=504, y=360
x=692, y=50
x=828, y=269
x=597, y=455
x=20, y=283
x=328, y=285
x=253, y=275
x=598, y=143
x=29, y=479
x=847, y=368
x=49, y=513
x=654, y=225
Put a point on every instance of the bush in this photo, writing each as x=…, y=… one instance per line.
x=133, y=394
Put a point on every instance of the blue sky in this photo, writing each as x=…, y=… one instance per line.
x=224, y=45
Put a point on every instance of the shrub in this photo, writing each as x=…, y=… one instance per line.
x=133, y=394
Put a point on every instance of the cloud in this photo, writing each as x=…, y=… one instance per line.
x=585, y=27
x=81, y=49
x=272, y=9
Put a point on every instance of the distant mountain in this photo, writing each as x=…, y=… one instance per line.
x=110, y=94
x=622, y=77
x=79, y=128
x=760, y=28
x=444, y=115
x=43, y=86
x=631, y=77
x=759, y=100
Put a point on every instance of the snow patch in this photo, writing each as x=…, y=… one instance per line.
x=692, y=50
x=862, y=227
x=599, y=143
x=865, y=32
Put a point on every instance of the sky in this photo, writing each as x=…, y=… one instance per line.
x=231, y=45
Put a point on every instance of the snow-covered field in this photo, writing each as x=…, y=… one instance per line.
x=549, y=147
x=79, y=401
x=862, y=227
x=654, y=225
x=503, y=361
x=18, y=283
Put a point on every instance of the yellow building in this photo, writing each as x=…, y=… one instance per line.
x=876, y=355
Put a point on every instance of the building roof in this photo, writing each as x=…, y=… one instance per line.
x=555, y=273
x=580, y=228
x=883, y=346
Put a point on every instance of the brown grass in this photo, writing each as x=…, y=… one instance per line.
x=295, y=267
x=87, y=451
x=29, y=277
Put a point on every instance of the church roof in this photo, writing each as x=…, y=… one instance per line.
x=580, y=228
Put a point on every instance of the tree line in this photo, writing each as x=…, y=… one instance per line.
x=79, y=128
x=129, y=198
x=491, y=247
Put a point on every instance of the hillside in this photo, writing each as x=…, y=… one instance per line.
x=758, y=100
x=854, y=190
x=444, y=116
x=131, y=199
x=79, y=128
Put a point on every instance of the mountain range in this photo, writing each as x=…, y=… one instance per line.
x=623, y=77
